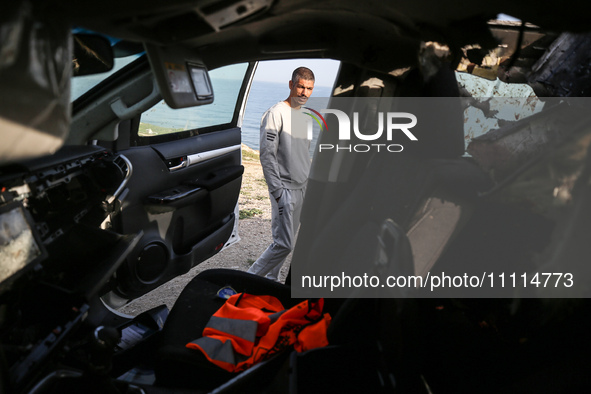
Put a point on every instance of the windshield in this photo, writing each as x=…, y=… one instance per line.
x=83, y=84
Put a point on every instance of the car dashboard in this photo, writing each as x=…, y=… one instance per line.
x=61, y=209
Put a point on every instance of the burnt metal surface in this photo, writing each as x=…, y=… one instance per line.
x=565, y=68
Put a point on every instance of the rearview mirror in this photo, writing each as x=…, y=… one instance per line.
x=92, y=55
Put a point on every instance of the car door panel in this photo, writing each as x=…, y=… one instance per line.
x=182, y=195
x=187, y=213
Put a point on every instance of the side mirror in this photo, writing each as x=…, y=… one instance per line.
x=92, y=55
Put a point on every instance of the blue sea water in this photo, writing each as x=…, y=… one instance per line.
x=219, y=112
x=226, y=83
x=263, y=95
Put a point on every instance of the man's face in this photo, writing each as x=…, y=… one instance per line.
x=300, y=91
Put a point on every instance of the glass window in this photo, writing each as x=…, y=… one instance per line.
x=226, y=82
x=83, y=84
x=491, y=105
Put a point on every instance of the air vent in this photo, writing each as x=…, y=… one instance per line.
x=122, y=164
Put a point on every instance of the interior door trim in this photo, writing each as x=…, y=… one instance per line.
x=200, y=157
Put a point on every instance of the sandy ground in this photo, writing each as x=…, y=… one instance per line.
x=255, y=234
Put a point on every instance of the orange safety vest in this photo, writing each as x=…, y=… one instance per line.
x=248, y=329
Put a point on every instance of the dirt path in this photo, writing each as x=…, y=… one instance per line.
x=254, y=231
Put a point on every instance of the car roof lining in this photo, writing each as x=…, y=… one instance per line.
x=378, y=35
x=158, y=21
x=341, y=36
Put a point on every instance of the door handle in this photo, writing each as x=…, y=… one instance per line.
x=178, y=167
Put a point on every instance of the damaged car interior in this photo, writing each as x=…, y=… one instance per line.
x=98, y=209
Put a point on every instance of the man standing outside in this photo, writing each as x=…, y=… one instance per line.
x=285, y=160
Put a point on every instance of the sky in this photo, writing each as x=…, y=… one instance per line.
x=325, y=70
x=505, y=17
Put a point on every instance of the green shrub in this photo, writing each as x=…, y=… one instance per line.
x=248, y=213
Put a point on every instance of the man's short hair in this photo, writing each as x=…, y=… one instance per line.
x=302, y=73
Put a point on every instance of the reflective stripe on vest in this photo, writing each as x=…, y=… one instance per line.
x=248, y=329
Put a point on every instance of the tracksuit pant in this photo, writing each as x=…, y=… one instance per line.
x=285, y=220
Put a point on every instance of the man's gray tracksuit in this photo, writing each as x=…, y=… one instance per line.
x=284, y=153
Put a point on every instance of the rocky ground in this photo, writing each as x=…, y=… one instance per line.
x=254, y=230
